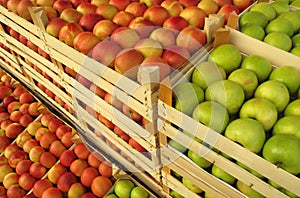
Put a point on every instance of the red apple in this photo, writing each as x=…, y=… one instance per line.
x=136, y=8
x=101, y=185
x=164, y=70
x=78, y=166
x=94, y=159
x=113, y=101
x=81, y=151
x=86, y=8
x=61, y=130
x=50, y=12
x=44, y=2
x=54, y=26
x=120, y=4
x=23, y=39
x=66, y=139
x=54, y=123
x=3, y=160
x=35, y=153
x=57, y=148
x=22, y=9
x=16, y=157
x=23, y=166
x=52, y=192
x=165, y=36
x=4, y=125
x=99, y=2
x=67, y=157
x=4, y=142
x=172, y=6
x=123, y=18
x=96, y=89
x=156, y=14
x=68, y=33
x=29, y=144
x=32, y=46
x=40, y=132
x=136, y=145
x=242, y=5
x=61, y=5
x=65, y=181
x=25, y=120
x=13, y=130
x=176, y=56
x=15, y=116
x=227, y=10
x=105, y=121
x=176, y=23
x=149, y=47
x=55, y=172
x=71, y=15
x=41, y=186
x=76, y=189
x=47, y=139
x=104, y=28
x=88, y=195
x=194, y=15
x=12, y=5
x=24, y=108
x=33, y=127
x=223, y=2
x=83, y=80
x=45, y=119
x=37, y=170
x=26, y=98
x=47, y=159
x=150, y=3
x=10, y=179
x=4, y=116
x=22, y=138
x=88, y=175
x=189, y=3
x=143, y=26
x=15, y=191
x=76, y=3
x=13, y=106
x=125, y=37
x=107, y=11
x=27, y=181
x=127, y=62
x=33, y=109
x=8, y=99
x=89, y=20
x=85, y=42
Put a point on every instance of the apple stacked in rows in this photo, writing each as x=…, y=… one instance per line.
x=248, y=101
x=274, y=23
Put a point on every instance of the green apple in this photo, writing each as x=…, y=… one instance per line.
x=179, y=147
x=175, y=194
x=191, y=186
x=123, y=188
x=275, y=91
x=187, y=95
x=266, y=9
x=220, y=173
x=295, y=51
x=296, y=40
x=280, y=7
x=283, y=150
x=228, y=93
x=254, y=30
x=288, y=75
x=138, y=192
x=253, y=17
x=297, y=11
x=248, y=132
x=280, y=40
x=206, y=195
x=290, y=194
x=250, y=170
x=227, y=56
x=247, y=79
x=212, y=115
x=197, y=159
x=293, y=108
x=292, y=17
x=295, y=3
x=261, y=109
x=205, y=73
x=280, y=25
x=259, y=65
x=247, y=190
x=111, y=196
x=289, y=124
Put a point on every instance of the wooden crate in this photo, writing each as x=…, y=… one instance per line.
x=171, y=122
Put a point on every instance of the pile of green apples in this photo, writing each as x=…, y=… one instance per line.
x=248, y=100
x=275, y=23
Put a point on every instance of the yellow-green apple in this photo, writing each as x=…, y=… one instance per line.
x=68, y=33
x=253, y=17
x=26, y=97
x=138, y=191
x=256, y=107
x=279, y=39
x=13, y=106
x=108, y=55
x=61, y=5
x=12, y=5
x=142, y=25
x=123, y=187
x=16, y=157
x=176, y=23
x=127, y=62
x=35, y=153
x=208, y=6
x=191, y=186
x=228, y=93
x=296, y=40
x=261, y=66
x=22, y=9
x=247, y=132
x=293, y=108
x=40, y=186
x=242, y=5
x=81, y=151
x=123, y=18
x=175, y=194
x=13, y=130
x=67, y=140
x=164, y=70
x=220, y=173
x=247, y=190
x=288, y=124
x=281, y=100
x=280, y=7
x=22, y=138
x=67, y=157
x=57, y=148
x=107, y=11
x=55, y=172
x=76, y=189
x=293, y=17
x=198, y=159
x=172, y=6
x=89, y=20
x=50, y=12
x=47, y=159
x=250, y=170
x=187, y=96
x=15, y=191
x=10, y=179
x=101, y=185
x=88, y=175
x=247, y=79
x=194, y=16
x=86, y=8
x=26, y=181
x=10, y=149
x=136, y=145
x=280, y=150
x=125, y=37
x=29, y=144
x=149, y=48
x=150, y=3
x=266, y=9
x=136, y=8
x=156, y=14
x=52, y=192
x=191, y=38
x=226, y=56
x=227, y=10
x=15, y=116
x=65, y=181
x=4, y=170
x=40, y=132
x=165, y=36
x=85, y=42
x=120, y=4
x=280, y=25
x=254, y=30
x=4, y=142
x=46, y=139
x=212, y=115
x=295, y=51
x=176, y=56
x=288, y=75
x=54, y=26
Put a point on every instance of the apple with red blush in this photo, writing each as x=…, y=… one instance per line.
x=142, y=25
x=104, y=28
x=26, y=181
x=227, y=10
x=107, y=11
x=47, y=159
x=41, y=186
x=16, y=157
x=157, y=14
x=23, y=166
x=85, y=42
x=125, y=37
x=55, y=172
x=176, y=23
x=176, y=56
x=86, y=8
x=123, y=18
x=65, y=181
x=120, y=4
x=89, y=20
x=51, y=13
x=68, y=33
x=61, y=5
x=136, y=8
x=54, y=26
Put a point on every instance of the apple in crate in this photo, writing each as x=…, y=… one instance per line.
x=65, y=181
x=76, y=189
x=10, y=179
x=71, y=15
x=40, y=187
x=13, y=130
x=55, y=172
x=89, y=20
x=85, y=42
x=22, y=9
x=61, y=5
x=88, y=175
x=208, y=6
x=15, y=191
x=99, y=2
x=68, y=33
x=194, y=16
x=156, y=14
x=164, y=70
x=27, y=181
x=176, y=56
x=86, y=7
x=104, y=28
x=107, y=11
x=123, y=187
x=253, y=17
x=172, y=6
x=165, y=36
x=247, y=190
x=101, y=185
x=50, y=12
x=10, y=149
x=280, y=40
x=125, y=37
x=175, y=23
x=4, y=142
x=29, y=144
x=136, y=8
x=123, y=18
x=16, y=157
x=142, y=25
x=54, y=26
x=149, y=48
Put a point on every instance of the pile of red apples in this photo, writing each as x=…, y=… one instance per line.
x=124, y=34
x=38, y=156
